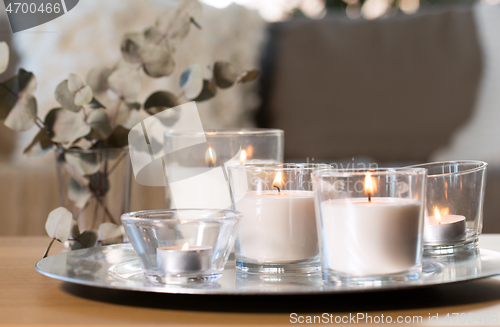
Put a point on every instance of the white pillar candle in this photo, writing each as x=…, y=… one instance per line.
x=364, y=238
x=442, y=229
x=184, y=259
x=278, y=227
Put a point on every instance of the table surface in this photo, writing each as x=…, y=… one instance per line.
x=28, y=298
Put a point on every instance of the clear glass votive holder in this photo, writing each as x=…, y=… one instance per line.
x=196, y=164
x=370, y=224
x=278, y=233
x=454, y=206
x=238, y=146
x=182, y=246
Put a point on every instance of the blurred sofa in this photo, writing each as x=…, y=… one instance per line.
x=393, y=92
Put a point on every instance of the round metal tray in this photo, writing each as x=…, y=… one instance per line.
x=116, y=267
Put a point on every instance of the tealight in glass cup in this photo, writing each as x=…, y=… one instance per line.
x=370, y=224
x=278, y=233
x=182, y=246
x=454, y=206
x=196, y=164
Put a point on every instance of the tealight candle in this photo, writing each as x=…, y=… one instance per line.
x=442, y=229
x=184, y=259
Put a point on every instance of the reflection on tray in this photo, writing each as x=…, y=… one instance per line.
x=117, y=267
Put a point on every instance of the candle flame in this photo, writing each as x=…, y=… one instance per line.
x=210, y=156
x=278, y=182
x=243, y=156
x=185, y=247
x=368, y=184
x=437, y=214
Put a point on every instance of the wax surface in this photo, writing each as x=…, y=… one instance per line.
x=278, y=227
x=374, y=238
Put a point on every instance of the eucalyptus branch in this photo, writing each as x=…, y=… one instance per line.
x=115, y=114
x=48, y=248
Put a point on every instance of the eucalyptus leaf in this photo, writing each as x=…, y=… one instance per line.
x=248, y=75
x=65, y=97
x=82, y=143
x=175, y=23
x=42, y=138
x=126, y=83
x=99, y=184
x=95, y=104
x=75, y=83
x=83, y=163
x=50, y=120
x=224, y=74
x=110, y=233
x=124, y=110
x=4, y=57
x=191, y=81
x=22, y=84
x=75, y=231
x=97, y=79
x=87, y=239
x=131, y=46
x=34, y=151
x=157, y=60
x=78, y=194
x=208, y=91
x=58, y=224
x=22, y=117
x=101, y=126
x=83, y=96
x=119, y=137
x=159, y=101
x=67, y=126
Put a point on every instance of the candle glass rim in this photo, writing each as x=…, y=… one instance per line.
x=224, y=132
x=281, y=167
x=131, y=217
x=481, y=165
x=374, y=172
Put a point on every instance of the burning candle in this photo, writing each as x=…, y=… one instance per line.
x=442, y=229
x=210, y=157
x=370, y=236
x=184, y=259
x=278, y=225
x=243, y=157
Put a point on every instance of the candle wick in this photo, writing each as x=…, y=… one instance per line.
x=369, y=197
x=279, y=192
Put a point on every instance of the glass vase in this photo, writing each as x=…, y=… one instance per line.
x=94, y=184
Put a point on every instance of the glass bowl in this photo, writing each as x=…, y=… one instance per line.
x=184, y=245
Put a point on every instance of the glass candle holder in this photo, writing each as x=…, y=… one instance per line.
x=370, y=224
x=454, y=206
x=278, y=231
x=182, y=246
x=197, y=172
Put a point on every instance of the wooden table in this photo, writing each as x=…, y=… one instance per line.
x=28, y=298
